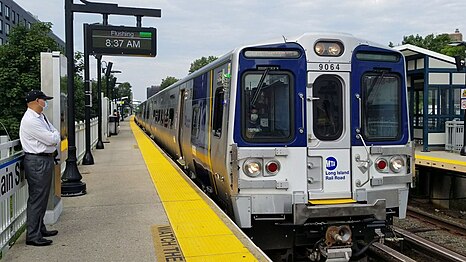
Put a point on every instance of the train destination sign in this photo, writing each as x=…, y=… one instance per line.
x=122, y=40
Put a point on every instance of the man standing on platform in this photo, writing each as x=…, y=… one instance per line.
x=39, y=139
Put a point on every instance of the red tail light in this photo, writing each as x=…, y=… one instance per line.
x=272, y=167
x=381, y=164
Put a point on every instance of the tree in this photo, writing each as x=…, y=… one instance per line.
x=20, y=70
x=437, y=43
x=199, y=63
x=124, y=90
x=168, y=81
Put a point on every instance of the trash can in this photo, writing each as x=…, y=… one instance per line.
x=113, y=125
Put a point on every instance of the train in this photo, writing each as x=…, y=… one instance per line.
x=304, y=142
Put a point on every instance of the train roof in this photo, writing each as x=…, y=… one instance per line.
x=345, y=37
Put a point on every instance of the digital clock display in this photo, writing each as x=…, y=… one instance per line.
x=122, y=40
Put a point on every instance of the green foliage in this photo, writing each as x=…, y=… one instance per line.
x=79, y=98
x=124, y=89
x=168, y=81
x=436, y=43
x=199, y=63
x=454, y=51
x=20, y=71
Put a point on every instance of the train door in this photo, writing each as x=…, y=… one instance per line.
x=329, y=174
x=184, y=124
x=181, y=110
x=218, y=147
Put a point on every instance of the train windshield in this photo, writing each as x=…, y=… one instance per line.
x=381, y=106
x=267, y=106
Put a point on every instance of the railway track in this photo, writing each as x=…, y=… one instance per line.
x=423, y=246
x=453, y=227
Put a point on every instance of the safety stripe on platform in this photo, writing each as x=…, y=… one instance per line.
x=448, y=164
x=201, y=234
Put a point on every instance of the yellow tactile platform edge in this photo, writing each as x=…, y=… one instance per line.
x=201, y=234
x=448, y=164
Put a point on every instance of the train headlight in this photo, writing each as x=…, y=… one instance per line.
x=397, y=164
x=328, y=48
x=252, y=167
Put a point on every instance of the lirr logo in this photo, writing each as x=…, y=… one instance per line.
x=331, y=163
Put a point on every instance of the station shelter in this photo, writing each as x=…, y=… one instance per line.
x=434, y=86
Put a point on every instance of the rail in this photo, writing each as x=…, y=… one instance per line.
x=454, y=131
x=429, y=247
x=14, y=193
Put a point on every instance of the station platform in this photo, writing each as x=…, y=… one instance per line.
x=139, y=207
x=451, y=161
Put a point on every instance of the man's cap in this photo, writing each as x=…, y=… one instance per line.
x=36, y=94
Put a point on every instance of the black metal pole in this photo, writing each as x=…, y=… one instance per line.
x=88, y=158
x=71, y=178
x=100, y=144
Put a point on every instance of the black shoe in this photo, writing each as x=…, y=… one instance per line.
x=39, y=242
x=50, y=233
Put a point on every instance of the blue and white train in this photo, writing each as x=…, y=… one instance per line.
x=305, y=142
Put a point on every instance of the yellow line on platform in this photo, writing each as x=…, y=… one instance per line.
x=442, y=163
x=201, y=234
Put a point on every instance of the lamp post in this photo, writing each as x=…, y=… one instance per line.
x=460, y=66
x=100, y=144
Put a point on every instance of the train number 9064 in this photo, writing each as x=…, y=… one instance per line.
x=329, y=67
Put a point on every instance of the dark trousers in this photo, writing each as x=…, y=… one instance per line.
x=38, y=171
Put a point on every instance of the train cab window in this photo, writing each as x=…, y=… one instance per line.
x=327, y=108
x=267, y=102
x=381, y=106
x=218, y=112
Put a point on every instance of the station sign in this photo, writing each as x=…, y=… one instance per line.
x=122, y=40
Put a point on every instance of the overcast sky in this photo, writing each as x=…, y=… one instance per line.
x=189, y=30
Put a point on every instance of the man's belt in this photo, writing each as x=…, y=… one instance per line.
x=39, y=154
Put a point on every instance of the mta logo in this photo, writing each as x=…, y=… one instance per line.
x=331, y=163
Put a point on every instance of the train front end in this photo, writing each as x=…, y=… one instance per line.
x=321, y=154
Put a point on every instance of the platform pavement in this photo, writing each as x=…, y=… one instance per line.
x=112, y=222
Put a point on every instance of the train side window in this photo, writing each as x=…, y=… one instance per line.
x=171, y=115
x=218, y=112
x=328, y=108
x=165, y=118
x=196, y=124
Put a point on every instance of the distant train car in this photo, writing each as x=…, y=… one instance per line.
x=305, y=142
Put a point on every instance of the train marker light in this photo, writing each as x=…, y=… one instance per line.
x=381, y=165
x=272, y=167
